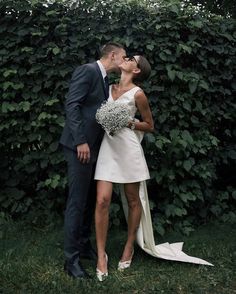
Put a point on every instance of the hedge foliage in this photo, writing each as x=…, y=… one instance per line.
x=191, y=91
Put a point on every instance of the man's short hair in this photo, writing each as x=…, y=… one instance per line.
x=109, y=47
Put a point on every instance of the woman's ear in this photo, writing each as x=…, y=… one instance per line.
x=136, y=70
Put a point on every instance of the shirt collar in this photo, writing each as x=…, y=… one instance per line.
x=102, y=69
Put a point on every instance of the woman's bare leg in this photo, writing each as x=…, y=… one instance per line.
x=104, y=193
x=134, y=216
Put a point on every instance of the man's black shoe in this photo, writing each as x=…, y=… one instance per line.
x=75, y=269
x=88, y=253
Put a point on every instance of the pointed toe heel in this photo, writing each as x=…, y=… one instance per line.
x=100, y=275
x=122, y=265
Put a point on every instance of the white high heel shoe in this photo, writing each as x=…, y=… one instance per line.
x=122, y=265
x=100, y=275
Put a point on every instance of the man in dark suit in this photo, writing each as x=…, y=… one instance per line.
x=81, y=139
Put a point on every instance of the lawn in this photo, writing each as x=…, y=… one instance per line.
x=31, y=261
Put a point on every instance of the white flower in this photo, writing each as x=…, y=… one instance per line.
x=113, y=116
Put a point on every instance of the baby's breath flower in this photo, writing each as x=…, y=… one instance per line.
x=113, y=116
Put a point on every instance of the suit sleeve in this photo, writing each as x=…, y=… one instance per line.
x=78, y=91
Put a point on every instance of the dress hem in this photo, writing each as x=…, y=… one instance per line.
x=122, y=181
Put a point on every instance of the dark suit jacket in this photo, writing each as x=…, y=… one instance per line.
x=85, y=96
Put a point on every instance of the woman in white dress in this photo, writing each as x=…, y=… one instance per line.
x=121, y=160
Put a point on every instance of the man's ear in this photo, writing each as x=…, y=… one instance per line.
x=112, y=55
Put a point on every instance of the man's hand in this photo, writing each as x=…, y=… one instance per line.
x=83, y=153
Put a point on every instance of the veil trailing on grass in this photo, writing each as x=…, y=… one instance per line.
x=145, y=237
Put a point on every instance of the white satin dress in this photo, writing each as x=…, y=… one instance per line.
x=121, y=160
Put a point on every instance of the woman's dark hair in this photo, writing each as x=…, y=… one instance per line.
x=109, y=47
x=145, y=70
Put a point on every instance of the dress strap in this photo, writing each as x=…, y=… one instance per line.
x=135, y=90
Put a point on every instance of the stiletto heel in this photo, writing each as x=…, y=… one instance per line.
x=100, y=275
x=122, y=265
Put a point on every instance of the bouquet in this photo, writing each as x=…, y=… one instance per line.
x=113, y=116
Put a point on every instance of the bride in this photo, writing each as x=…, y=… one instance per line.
x=121, y=160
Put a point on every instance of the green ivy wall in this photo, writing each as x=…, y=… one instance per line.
x=191, y=155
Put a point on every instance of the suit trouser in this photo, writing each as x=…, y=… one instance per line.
x=80, y=203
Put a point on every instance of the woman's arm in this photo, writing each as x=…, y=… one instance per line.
x=147, y=124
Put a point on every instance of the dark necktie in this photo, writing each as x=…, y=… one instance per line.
x=106, y=86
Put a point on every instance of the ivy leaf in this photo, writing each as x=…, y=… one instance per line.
x=180, y=211
x=203, y=85
x=150, y=47
x=25, y=106
x=8, y=107
x=160, y=230
x=9, y=72
x=185, y=48
x=196, y=23
x=53, y=147
x=157, y=27
x=43, y=116
x=51, y=102
x=171, y=74
x=187, y=106
x=162, y=56
x=6, y=85
x=193, y=86
x=187, y=137
x=51, y=13
x=56, y=50
x=187, y=165
x=150, y=138
x=174, y=134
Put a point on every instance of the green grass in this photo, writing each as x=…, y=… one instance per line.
x=31, y=261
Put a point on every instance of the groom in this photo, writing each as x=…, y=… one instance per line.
x=81, y=139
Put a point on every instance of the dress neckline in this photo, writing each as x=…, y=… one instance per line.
x=122, y=94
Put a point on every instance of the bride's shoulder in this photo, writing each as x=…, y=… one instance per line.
x=140, y=95
x=138, y=91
